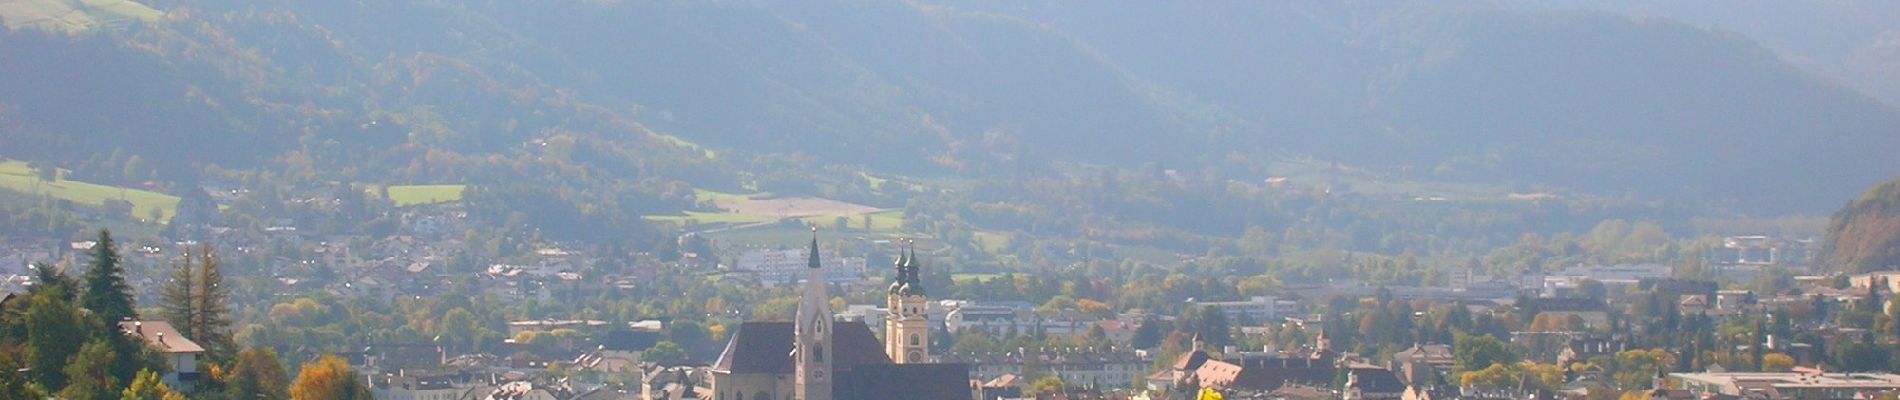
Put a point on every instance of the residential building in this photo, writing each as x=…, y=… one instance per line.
x=1806, y=385
x=180, y=353
x=782, y=267
x=1258, y=309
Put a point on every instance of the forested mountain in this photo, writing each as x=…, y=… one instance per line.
x=1865, y=235
x=1854, y=42
x=440, y=91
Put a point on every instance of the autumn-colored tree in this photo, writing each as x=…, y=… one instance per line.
x=1777, y=362
x=1636, y=369
x=328, y=378
x=258, y=375
x=147, y=386
x=1048, y=385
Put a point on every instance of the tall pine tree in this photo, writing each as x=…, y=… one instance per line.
x=175, y=301
x=212, y=315
x=107, y=295
x=194, y=303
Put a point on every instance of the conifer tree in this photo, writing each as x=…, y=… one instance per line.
x=107, y=295
x=211, y=314
x=177, y=297
x=47, y=278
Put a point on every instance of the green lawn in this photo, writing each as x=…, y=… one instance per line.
x=409, y=195
x=695, y=217
x=993, y=242
x=887, y=221
x=703, y=195
x=15, y=176
x=965, y=278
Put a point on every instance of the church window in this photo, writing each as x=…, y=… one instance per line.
x=818, y=354
x=914, y=339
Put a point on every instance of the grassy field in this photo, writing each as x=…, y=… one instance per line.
x=703, y=195
x=74, y=16
x=887, y=221
x=409, y=195
x=993, y=241
x=966, y=278
x=695, y=217
x=15, y=176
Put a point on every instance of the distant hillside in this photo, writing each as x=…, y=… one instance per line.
x=73, y=15
x=1460, y=91
x=1865, y=236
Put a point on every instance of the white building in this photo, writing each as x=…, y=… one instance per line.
x=1789, y=385
x=1259, y=309
x=181, y=354
x=779, y=267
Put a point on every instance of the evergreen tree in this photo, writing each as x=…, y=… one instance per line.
x=107, y=295
x=1213, y=327
x=48, y=277
x=211, y=325
x=175, y=300
x=1149, y=334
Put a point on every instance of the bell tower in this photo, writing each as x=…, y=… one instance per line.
x=907, y=322
x=811, y=353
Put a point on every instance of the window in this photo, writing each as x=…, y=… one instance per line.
x=914, y=339
x=817, y=354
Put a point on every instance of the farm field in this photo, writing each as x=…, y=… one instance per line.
x=15, y=176
x=410, y=195
x=741, y=209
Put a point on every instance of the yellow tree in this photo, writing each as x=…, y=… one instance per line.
x=328, y=378
x=147, y=386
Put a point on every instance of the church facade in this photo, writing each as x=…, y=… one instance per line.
x=814, y=357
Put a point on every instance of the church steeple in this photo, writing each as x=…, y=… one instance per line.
x=813, y=364
x=907, y=323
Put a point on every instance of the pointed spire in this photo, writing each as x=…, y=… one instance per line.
x=814, y=263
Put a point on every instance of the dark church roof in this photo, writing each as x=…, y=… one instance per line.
x=1376, y=380
x=905, y=381
x=766, y=347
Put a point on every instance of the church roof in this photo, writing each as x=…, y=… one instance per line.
x=905, y=381
x=766, y=347
x=1376, y=380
